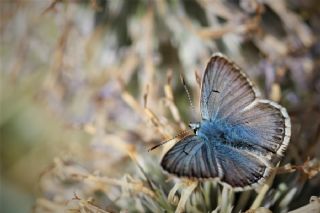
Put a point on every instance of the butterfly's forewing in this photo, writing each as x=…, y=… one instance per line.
x=191, y=157
x=225, y=89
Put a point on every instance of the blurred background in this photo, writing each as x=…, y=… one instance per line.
x=88, y=86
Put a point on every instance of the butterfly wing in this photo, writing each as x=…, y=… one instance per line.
x=191, y=157
x=240, y=168
x=225, y=89
x=268, y=128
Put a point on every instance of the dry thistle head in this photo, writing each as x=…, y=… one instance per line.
x=87, y=88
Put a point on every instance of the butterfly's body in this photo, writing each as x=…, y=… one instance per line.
x=240, y=138
x=219, y=132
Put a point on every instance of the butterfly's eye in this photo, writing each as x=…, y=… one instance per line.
x=194, y=126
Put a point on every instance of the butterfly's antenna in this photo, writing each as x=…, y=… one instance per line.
x=188, y=93
x=166, y=141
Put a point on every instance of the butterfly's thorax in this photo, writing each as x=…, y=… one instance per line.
x=212, y=131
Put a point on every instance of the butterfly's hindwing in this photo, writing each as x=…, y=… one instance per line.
x=269, y=124
x=241, y=168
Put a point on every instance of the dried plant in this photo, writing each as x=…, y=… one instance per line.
x=108, y=73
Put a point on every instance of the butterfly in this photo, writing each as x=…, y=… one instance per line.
x=241, y=136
